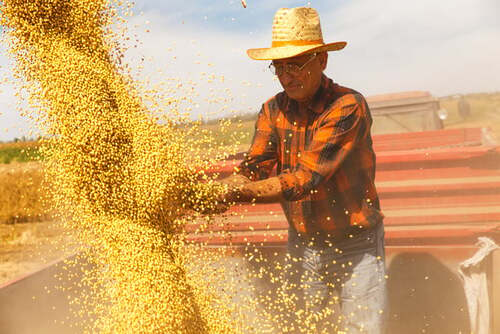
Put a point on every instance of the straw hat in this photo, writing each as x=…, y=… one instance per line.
x=296, y=31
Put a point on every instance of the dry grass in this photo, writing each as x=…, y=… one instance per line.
x=21, y=197
x=28, y=247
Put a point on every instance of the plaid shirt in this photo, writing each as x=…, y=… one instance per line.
x=325, y=160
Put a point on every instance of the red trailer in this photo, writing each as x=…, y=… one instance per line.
x=439, y=191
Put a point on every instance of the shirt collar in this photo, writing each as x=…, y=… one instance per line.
x=320, y=99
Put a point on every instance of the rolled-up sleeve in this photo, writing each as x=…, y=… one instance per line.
x=262, y=155
x=341, y=129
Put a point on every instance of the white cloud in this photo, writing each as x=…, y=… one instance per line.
x=444, y=47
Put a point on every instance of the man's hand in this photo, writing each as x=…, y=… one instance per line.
x=230, y=188
x=241, y=189
x=220, y=207
x=235, y=184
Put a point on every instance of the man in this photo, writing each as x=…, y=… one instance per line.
x=317, y=133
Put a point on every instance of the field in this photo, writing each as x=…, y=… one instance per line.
x=27, y=247
x=22, y=200
x=485, y=112
x=20, y=151
x=29, y=238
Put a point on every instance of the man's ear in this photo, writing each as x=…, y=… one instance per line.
x=323, y=60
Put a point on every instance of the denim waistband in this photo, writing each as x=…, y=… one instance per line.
x=323, y=239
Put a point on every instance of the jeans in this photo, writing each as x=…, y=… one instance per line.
x=337, y=286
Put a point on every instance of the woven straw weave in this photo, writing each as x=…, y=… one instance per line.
x=296, y=31
x=295, y=24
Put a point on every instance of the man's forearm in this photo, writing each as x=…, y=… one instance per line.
x=264, y=191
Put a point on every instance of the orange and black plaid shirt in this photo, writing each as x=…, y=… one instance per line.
x=324, y=157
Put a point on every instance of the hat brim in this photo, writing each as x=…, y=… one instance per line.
x=292, y=50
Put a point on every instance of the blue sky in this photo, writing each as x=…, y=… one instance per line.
x=445, y=47
x=222, y=15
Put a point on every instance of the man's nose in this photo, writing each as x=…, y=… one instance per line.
x=285, y=78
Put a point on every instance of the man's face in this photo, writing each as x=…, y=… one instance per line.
x=302, y=85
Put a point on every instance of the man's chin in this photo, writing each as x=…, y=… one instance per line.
x=294, y=94
x=298, y=98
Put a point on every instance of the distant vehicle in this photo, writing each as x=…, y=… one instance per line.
x=405, y=112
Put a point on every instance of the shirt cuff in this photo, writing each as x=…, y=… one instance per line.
x=292, y=185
